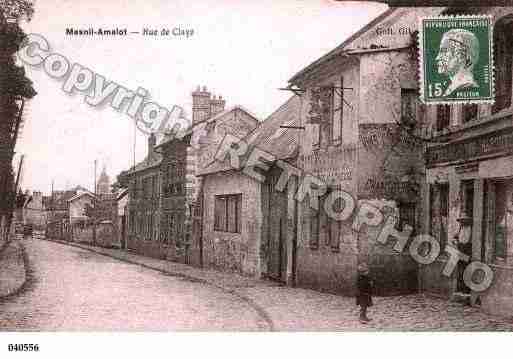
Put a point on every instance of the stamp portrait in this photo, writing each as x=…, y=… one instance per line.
x=456, y=59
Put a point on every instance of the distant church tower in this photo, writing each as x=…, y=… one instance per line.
x=103, y=185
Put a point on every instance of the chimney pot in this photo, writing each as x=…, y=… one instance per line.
x=204, y=88
x=152, y=141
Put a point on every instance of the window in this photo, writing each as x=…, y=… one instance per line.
x=171, y=227
x=140, y=223
x=134, y=188
x=443, y=117
x=227, y=213
x=321, y=113
x=314, y=228
x=146, y=187
x=154, y=189
x=327, y=115
x=150, y=225
x=164, y=223
x=503, y=217
x=469, y=112
x=503, y=37
x=439, y=212
x=131, y=221
x=408, y=106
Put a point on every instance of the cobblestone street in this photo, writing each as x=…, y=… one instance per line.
x=74, y=289
x=77, y=289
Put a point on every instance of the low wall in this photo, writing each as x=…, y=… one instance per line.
x=147, y=248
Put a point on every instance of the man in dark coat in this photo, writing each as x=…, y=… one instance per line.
x=364, y=296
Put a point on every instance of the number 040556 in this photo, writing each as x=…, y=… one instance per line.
x=23, y=347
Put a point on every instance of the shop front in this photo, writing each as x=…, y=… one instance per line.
x=470, y=206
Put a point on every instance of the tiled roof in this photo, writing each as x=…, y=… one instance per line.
x=225, y=112
x=188, y=131
x=270, y=136
x=58, y=200
x=80, y=194
x=150, y=161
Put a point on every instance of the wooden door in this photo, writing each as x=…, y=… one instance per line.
x=277, y=234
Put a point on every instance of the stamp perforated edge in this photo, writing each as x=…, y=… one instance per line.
x=420, y=56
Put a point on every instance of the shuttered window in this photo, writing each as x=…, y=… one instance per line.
x=227, y=213
x=443, y=117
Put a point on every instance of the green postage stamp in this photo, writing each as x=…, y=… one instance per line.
x=456, y=59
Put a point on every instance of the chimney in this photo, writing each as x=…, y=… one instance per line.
x=216, y=105
x=152, y=142
x=200, y=105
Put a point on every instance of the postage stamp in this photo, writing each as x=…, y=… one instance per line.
x=456, y=59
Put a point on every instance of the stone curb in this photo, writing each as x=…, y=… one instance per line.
x=259, y=309
x=23, y=284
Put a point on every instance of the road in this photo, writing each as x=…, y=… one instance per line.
x=71, y=289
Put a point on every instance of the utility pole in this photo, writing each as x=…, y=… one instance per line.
x=50, y=214
x=95, y=177
x=94, y=206
x=15, y=194
x=135, y=137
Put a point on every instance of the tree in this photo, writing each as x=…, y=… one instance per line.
x=15, y=88
x=16, y=9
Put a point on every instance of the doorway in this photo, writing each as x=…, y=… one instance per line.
x=466, y=222
x=277, y=234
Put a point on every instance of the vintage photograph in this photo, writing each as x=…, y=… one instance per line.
x=244, y=166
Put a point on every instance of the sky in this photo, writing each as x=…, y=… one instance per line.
x=242, y=50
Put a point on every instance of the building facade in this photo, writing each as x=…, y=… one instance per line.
x=144, y=187
x=248, y=226
x=181, y=159
x=469, y=189
x=363, y=121
x=77, y=206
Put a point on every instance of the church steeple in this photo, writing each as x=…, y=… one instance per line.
x=103, y=185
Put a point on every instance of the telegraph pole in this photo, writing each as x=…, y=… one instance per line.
x=94, y=206
x=15, y=194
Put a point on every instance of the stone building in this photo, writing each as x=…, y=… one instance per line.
x=469, y=181
x=57, y=212
x=182, y=156
x=143, y=183
x=248, y=226
x=362, y=118
x=77, y=206
x=164, y=188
